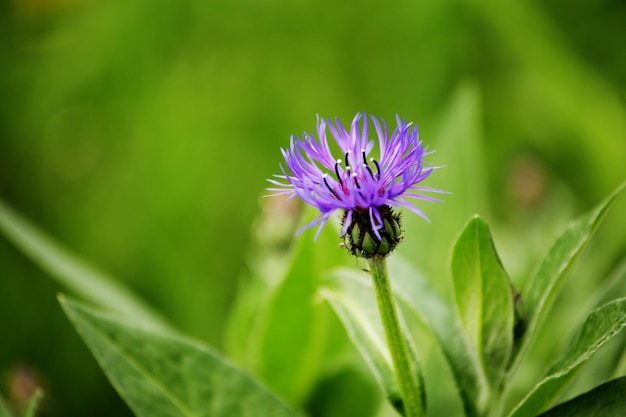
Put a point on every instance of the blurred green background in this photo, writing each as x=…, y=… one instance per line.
x=140, y=134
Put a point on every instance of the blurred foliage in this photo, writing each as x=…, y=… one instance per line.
x=140, y=134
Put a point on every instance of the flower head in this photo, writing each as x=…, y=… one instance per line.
x=358, y=179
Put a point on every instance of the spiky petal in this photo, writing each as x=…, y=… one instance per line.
x=360, y=177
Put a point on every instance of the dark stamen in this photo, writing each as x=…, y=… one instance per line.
x=337, y=172
x=364, y=158
x=369, y=170
x=330, y=189
x=356, y=182
x=347, y=160
x=377, y=167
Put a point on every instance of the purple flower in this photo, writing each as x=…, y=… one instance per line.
x=362, y=179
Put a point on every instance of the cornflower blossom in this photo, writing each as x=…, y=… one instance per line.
x=363, y=183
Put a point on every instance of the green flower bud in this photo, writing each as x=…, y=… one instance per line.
x=361, y=240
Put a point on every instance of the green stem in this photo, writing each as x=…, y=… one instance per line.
x=404, y=369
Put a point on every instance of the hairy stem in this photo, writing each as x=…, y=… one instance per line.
x=405, y=371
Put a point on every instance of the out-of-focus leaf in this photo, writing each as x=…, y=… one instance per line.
x=268, y=260
x=246, y=320
x=483, y=297
x=4, y=410
x=165, y=375
x=352, y=297
x=417, y=295
x=555, y=77
x=606, y=400
x=292, y=339
x=73, y=273
x=541, y=291
x=279, y=314
x=347, y=392
x=33, y=404
x=601, y=325
x=457, y=138
x=288, y=321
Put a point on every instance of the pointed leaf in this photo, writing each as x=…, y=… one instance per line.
x=606, y=400
x=601, y=325
x=483, y=297
x=352, y=297
x=543, y=288
x=164, y=375
x=73, y=273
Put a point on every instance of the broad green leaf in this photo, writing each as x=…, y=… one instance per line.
x=606, y=400
x=546, y=283
x=74, y=274
x=601, y=325
x=33, y=404
x=4, y=409
x=162, y=375
x=417, y=295
x=483, y=297
x=351, y=295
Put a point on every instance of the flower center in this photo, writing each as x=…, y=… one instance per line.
x=348, y=175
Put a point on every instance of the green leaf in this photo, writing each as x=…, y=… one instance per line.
x=601, y=325
x=164, y=375
x=73, y=273
x=541, y=291
x=33, y=404
x=606, y=400
x=417, y=295
x=351, y=295
x=483, y=297
x=4, y=409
